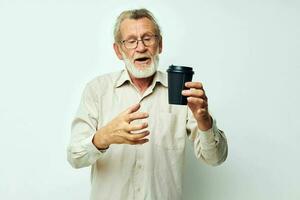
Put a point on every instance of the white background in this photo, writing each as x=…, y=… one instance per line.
x=246, y=53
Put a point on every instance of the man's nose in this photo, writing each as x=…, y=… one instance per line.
x=140, y=46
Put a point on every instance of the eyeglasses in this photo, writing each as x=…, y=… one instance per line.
x=148, y=41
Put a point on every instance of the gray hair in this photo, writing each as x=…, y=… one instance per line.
x=135, y=14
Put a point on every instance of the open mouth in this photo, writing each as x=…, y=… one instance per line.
x=142, y=60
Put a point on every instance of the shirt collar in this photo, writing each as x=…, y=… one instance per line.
x=124, y=77
x=159, y=77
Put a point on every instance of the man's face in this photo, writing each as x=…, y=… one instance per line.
x=141, y=61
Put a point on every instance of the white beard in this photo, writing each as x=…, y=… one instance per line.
x=141, y=73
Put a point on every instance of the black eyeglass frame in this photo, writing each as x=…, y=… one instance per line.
x=136, y=42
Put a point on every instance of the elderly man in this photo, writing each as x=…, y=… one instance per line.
x=126, y=130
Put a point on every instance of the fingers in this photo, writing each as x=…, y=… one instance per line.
x=196, y=85
x=137, y=127
x=197, y=101
x=137, y=115
x=194, y=93
x=196, y=90
x=125, y=132
x=131, y=113
x=142, y=141
x=138, y=138
x=133, y=108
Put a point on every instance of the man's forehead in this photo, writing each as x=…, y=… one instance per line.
x=136, y=27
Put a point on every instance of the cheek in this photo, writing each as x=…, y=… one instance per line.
x=130, y=54
x=154, y=50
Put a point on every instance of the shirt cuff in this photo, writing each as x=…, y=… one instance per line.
x=94, y=153
x=209, y=136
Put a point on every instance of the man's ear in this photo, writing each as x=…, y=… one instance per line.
x=118, y=51
x=160, y=46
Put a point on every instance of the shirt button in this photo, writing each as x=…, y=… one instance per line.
x=140, y=166
x=138, y=189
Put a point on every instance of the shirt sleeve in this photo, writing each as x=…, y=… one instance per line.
x=81, y=152
x=209, y=146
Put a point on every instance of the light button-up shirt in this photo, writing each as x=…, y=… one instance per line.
x=152, y=171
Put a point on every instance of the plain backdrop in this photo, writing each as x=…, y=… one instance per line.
x=246, y=54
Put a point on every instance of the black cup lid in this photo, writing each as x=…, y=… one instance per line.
x=180, y=69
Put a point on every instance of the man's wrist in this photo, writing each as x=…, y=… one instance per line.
x=205, y=124
x=100, y=141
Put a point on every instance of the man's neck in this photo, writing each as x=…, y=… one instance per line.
x=141, y=84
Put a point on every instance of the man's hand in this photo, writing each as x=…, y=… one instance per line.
x=118, y=131
x=197, y=102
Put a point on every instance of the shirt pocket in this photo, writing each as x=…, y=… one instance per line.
x=169, y=131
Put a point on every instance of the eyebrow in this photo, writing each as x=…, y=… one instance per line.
x=134, y=36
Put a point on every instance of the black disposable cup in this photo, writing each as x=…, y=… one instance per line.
x=177, y=76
